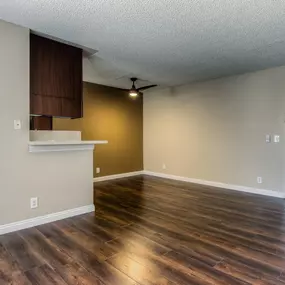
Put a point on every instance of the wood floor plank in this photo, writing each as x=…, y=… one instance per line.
x=44, y=275
x=140, y=273
x=48, y=251
x=21, y=251
x=74, y=274
x=177, y=273
x=91, y=261
x=250, y=274
x=91, y=242
x=10, y=271
x=202, y=270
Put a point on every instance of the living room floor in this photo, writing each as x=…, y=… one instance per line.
x=149, y=230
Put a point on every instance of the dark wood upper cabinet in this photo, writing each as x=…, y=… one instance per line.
x=55, y=78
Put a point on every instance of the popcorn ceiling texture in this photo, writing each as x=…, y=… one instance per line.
x=166, y=42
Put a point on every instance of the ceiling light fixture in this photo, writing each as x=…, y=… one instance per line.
x=133, y=93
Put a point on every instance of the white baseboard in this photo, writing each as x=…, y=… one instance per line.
x=218, y=184
x=117, y=176
x=16, y=226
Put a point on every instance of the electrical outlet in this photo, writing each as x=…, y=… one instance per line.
x=34, y=202
x=268, y=138
x=98, y=170
x=163, y=166
x=259, y=180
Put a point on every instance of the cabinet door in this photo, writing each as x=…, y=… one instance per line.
x=41, y=123
x=47, y=70
x=45, y=105
x=73, y=78
x=71, y=108
x=72, y=104
x=55, y=76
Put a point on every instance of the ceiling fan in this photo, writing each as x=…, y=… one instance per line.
x=134, y=92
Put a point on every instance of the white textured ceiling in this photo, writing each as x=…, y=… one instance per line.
x=168, y=42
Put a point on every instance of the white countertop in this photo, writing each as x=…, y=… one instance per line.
x=51, y=142
x=52, y=145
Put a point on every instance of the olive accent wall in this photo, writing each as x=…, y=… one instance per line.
x=110, y=114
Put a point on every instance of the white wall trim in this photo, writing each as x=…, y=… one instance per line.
x=117, y=176
x=20, y=225
x=218, y=184
x=49, y=148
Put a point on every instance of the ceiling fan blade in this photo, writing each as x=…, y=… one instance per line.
x=146, y=87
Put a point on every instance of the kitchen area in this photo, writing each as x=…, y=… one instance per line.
x=53, y=115
x=56, y=90
x=45, y=175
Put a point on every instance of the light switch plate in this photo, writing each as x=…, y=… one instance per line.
x=17, y=125
x=268, y=138
x=276, y=138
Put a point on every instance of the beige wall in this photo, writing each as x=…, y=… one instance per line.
x=216, y=130
x=61, y=181
x=110, y=114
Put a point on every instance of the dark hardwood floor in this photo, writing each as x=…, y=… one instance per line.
x=154, y=231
